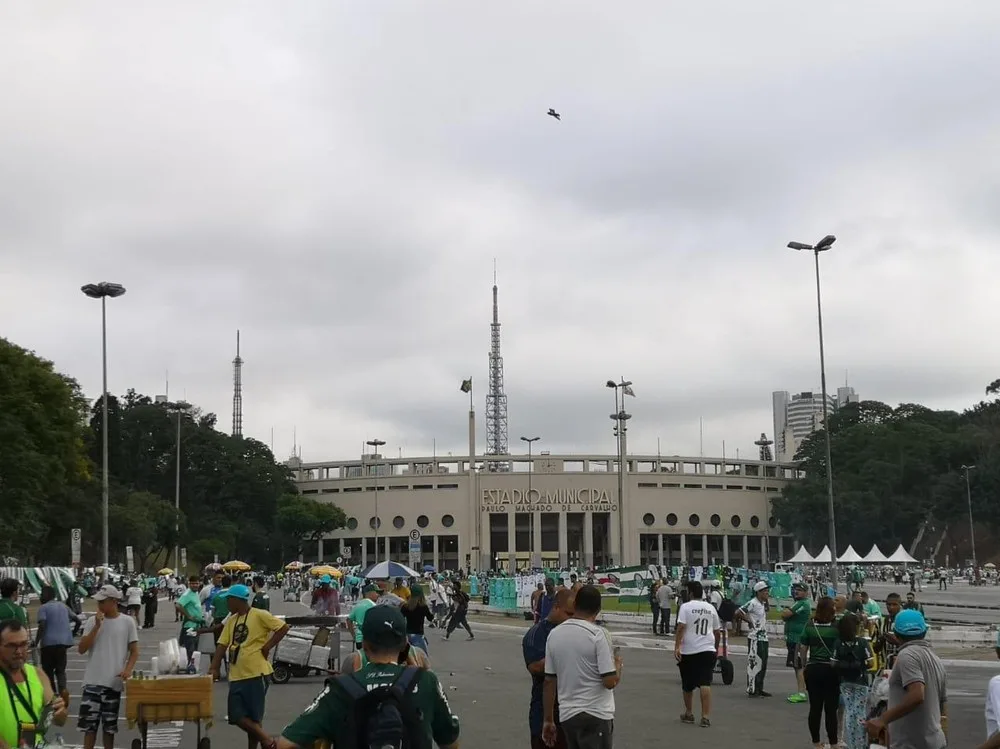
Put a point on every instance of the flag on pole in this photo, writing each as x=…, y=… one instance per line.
x=466, y=386
x=628, y=390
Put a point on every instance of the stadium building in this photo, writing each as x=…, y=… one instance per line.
x=554, y=510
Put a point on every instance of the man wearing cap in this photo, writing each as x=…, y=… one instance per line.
x=248, y=637
x=796, y=619
x=356, y=618
x=918, y=695
x=111, y=643
x=324, y=599
x=328, y=718
x=754, y=613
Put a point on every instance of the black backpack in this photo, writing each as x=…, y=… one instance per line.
x=847, y=663
x=383, y=718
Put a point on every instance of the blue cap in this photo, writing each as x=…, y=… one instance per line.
x=242, y=592
x=325, y=579
x=909, y=623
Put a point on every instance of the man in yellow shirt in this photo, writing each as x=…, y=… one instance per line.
x=248, y=637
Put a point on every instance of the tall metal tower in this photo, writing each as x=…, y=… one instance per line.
x=496, y=400
x=238, y=391
x=764, y=445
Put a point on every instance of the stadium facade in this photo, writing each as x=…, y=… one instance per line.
x=554, y=510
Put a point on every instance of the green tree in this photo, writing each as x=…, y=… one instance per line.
x=896, y=471
x=300, y=519
x=42, y=457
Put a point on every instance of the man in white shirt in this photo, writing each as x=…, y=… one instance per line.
x=665, y=599
x=696, y=642
x=754, y=613
x=992, y=715
x=581, y=668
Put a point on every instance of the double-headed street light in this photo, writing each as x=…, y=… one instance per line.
x=620, y=418
x=375, y=445
x=972, y=528
x=102, y=291
x=822, y=246
x=530, y=441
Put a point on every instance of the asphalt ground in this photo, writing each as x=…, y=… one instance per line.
x=489, y=689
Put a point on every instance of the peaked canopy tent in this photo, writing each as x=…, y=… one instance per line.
x=850, y=556
x=802, y=557
x=875, y=556
x=824, y=557
x=901, y=556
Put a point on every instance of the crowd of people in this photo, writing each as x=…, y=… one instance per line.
x=865, y=673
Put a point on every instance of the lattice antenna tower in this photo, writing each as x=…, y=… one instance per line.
x=496, y=400
x=764, y=446
x=238, y=390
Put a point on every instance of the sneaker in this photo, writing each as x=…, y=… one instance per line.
x=797, y=698
x=705, y=722
x=765, y=694
x=687, y=718
x=471, y=638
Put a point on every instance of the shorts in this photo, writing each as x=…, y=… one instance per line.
x=696, y=670
x=99, y=705
x=793, y=659
x=246, y=700
x=133, y=609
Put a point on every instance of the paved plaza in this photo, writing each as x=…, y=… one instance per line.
x=488, y=687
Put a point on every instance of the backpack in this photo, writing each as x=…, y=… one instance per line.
x=847, y=663
x=383, y=718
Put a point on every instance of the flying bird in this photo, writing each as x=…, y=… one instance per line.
x=554, y=113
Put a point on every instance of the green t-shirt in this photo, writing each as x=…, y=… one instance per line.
x=326, y=718
x=822, y=640
x=796, y=623
x=10, y=610
x=357, y=615
x=262, y=601
x=220, y=608
x=872, y=609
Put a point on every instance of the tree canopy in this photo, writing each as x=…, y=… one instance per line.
x=898, y=478
x=42, y=456
x=236, y=501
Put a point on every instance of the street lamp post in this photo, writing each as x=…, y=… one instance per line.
x=530, y=441
x=822, y=246
x=972, y=528
x=375, y=445
x=180, y=407
x=620, y=418
x=102, y=291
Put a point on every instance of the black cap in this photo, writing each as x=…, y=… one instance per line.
x=384, y=627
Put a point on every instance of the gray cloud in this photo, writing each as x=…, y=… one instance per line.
x=336, y=183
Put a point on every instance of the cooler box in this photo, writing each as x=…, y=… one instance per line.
x=319, y=657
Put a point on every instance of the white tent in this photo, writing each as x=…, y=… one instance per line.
x=824, y=557
x=850, y=556
x=875, y=556
x=801, y=557
x=900, y=556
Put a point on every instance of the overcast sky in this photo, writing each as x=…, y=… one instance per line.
x=336, y=179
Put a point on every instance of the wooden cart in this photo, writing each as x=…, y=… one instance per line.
x=167, y=699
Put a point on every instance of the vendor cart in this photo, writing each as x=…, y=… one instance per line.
x=167, y=699
x=312, y=646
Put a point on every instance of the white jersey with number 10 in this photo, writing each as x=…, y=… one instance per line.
x=701, y=621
